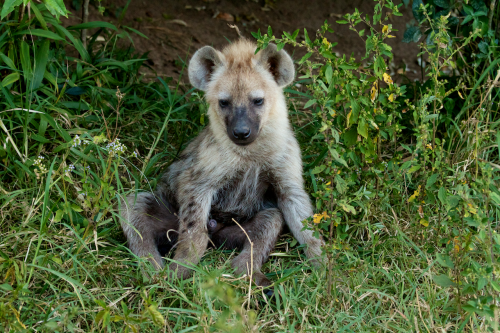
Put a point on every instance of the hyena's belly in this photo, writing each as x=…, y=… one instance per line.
x=242, y=197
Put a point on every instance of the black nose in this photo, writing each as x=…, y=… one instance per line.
x=241, y=133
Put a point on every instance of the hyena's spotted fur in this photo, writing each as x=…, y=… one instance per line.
x=255, y=180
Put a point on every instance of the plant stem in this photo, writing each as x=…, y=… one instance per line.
x=491, y=13
x=85, y=19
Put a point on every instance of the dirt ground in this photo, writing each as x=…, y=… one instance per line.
x=176, y=29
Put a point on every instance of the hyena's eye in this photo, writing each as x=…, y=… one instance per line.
x=258, y=101
x=223, y=103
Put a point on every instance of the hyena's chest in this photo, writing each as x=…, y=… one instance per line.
x=242, y=196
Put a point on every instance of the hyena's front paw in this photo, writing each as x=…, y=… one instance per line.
x=314, y=253
x=179, y=271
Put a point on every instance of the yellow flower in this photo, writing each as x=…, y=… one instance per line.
x=318, y=217
x=387, y=78
x=415, y=194
x=374, y=91
x=429, y=146
x=424, y=222
x=326, y=42
x=391, y=97
x=385, y=29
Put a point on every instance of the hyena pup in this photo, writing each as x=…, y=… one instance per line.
x=245, y=165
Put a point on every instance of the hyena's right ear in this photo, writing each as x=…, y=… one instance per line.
x=279, y=63
x=202, y=65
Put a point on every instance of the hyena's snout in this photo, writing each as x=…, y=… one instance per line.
x=242, y=126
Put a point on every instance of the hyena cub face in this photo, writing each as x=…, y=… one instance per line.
x=241, y=87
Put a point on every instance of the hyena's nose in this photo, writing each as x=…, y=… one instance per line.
x=241, y=132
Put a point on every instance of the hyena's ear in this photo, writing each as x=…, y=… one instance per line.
x=279, y=64
x=202, y=65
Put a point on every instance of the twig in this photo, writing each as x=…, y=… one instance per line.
x=85, y=19
x=234, y=26
x=491, y=13
x=251, y=263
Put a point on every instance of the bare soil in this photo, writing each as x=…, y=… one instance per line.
x=176, y=29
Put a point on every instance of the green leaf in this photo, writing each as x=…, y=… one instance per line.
x=309, y=103
x=9, y=79
x=341, y=184
x=431, y=180
x=306, y=36
x=329, y=74
x=76, y=208
x=8, y=61
x=26, y=61
x=348, y=208
x=495, y=285
x=41, y=58
x=430, y=117
x=442, y=195
x=156, y=315
x=356, y=109
x=445, y=260
x=363, y=128
x=442, y=3
x=481, y=282
x=414, y=168
x=56, y=7
x=140, y=33
x=39, y=16
x=40, y=33
x=495, y=197
x=304, y=58
x=6, y=287
x=452, y=200
x=337, y=157
x=350, y=136
x=8, y=6
x=379, y=66
x=269, y=31
x=318, y=169
x=412, y=34
x=417, y=13
x=59, y=215
x=77, y=43
x=93, y=24
x=443, y=281
x=345, y=66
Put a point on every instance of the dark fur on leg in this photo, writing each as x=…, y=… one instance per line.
x=263, y=230
x=150, y=226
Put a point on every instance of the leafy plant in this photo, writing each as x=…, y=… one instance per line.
x=374, y=147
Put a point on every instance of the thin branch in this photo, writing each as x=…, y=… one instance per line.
x=85, y=19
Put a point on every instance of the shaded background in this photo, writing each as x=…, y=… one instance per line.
x=176, y=29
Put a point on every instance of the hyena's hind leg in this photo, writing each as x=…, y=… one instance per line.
x=263, y=230
x=150, y=226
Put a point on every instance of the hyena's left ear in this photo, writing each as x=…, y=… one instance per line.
x=279, y=63
x=202, y=65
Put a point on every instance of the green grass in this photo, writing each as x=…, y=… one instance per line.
x=378, y=286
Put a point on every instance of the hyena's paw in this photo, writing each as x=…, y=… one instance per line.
x=242, y=265
x=181, y=272
x=261, y=280
x=314, y=253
